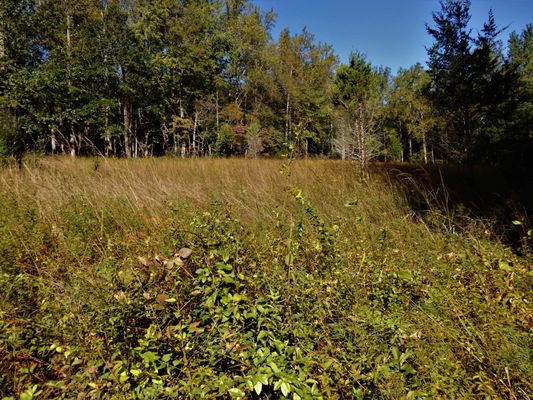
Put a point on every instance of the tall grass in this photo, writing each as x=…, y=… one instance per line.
x=359, y=292
x=255, y=190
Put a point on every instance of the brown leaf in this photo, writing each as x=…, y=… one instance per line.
x=120, y=296
x=185, y=252
x=160, y=259
x=148, y=263
x=194, y=327
x=161, y=298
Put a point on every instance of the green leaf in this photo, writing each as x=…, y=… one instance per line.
x=236, y=392
x=285, y=388
x=263, y=379
x=250, y=385
x=328, y=363
x=258, y=388
x=225, y=256
x=274, y=367
x=239, y=297
x=504, y=265
x=261, y=335
x=517, y=222
x=405, y=275
x=408, y=369
x=289, y=258
x=123, y=377
x=149, y=356
x=395, y=353
x=135, y=372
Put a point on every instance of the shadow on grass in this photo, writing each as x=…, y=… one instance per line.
x=467, y=193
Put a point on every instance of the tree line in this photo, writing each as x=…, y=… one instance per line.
x=138, y=78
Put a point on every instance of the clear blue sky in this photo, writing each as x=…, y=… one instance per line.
x=390, y=32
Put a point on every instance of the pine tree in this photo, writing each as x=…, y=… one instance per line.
x=358, y=95
x=469, y=79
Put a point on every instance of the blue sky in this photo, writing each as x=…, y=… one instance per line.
x=390, y=32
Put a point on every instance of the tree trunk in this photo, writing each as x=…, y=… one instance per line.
x=53, y=141
x=2, y=45
x=72, y=142
x=127, y=127
x=218, y=116
x=424, y=148
x=288, y=111
x=195, y=125
x=69, y=52
x=108, y=144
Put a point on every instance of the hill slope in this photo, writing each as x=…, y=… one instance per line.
x=303, y=282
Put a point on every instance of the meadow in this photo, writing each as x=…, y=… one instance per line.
x=234, y=278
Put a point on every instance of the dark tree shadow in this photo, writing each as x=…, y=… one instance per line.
x=467, y=194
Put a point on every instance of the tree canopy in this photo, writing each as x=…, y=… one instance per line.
x=138, y=78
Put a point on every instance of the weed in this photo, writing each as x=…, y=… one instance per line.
x=226, y=279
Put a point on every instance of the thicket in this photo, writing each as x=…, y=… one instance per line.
x=253, y=279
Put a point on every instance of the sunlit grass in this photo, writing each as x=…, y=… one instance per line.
x=381, y=298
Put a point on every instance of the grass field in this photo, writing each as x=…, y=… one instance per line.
x=304, y=282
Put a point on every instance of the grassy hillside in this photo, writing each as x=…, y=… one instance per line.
x=303, y=282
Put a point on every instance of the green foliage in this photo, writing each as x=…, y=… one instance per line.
x=470, y=83
x=6, y=133
x=136, y=78
x=393, y=148
x=410, y=109
x=112, y=77
x=225, y=140
x=356, y=82
x=105, y=301
x=358, y=93
x=517, y=143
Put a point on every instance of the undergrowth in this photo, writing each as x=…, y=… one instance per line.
x=138, y=281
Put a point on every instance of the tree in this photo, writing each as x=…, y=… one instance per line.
x=468, y=80
x=19, y=55
x=410, y=107
x=358, y=95
x=141, y=77
x=303, y=72
x=518, y=144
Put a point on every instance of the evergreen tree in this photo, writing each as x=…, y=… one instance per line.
x=517, y=146
x=469, y=80
x=359, y=94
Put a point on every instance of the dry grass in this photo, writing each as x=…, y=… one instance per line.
x=373, y=278
x=255, y=190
